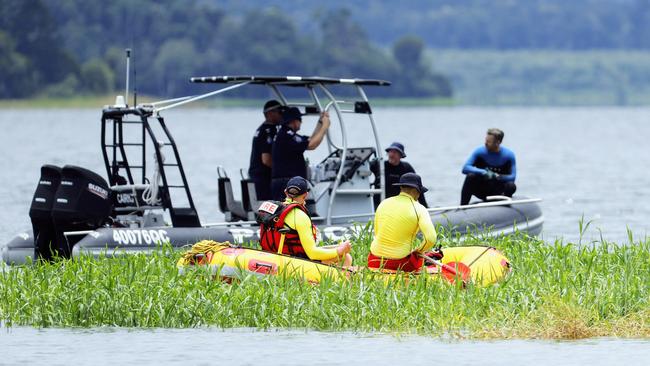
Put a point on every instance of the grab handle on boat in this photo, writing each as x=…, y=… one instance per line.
x=498, y=198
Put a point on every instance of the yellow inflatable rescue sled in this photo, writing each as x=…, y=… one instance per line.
x=486, y=264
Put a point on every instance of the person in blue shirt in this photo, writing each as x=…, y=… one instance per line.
x=490, y=170
x=288, y=149
x=259, y=169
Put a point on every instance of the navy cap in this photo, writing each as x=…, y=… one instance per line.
x=291, y=114
x=272, y=105
x=411, y=180
x=297, y=186
x=397, y=147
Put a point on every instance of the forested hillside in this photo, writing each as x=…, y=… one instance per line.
x=485, y=51
x=485, y=24
x=67, y=47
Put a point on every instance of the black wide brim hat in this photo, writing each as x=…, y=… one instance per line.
x=411, y=180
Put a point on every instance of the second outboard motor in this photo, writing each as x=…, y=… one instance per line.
x=40, y=211
x=82, y=202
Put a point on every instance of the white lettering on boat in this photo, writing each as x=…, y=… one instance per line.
x=139, y=237
x=125, y=198
x=99, y=191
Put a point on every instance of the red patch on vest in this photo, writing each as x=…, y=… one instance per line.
x=269, y=207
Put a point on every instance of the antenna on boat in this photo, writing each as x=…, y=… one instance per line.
x=135, y=84
x=128, y=63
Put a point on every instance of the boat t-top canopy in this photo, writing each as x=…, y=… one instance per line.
x=285, y=80
x=320, y=98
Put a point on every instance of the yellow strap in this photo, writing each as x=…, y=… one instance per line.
x=281, y=246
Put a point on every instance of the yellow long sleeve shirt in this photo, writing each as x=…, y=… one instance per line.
x=301, y=222
x=397, y=222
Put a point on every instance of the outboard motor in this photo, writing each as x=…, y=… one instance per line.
x=40, y=211
x=82, y=202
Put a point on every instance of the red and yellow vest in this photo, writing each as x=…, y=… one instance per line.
x=275, y=235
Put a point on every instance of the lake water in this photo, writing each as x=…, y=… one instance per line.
x=590, y=162
x=26, y=346
x=580, y=161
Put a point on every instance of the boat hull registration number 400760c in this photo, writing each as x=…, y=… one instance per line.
x=140, y=237
x=183, y=236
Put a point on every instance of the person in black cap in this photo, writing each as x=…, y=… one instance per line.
x=394, y=168
x=259, y=169
x=397, y=221
x=288, y=148
x=298, y=239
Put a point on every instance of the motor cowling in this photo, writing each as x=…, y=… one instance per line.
x=83, y=198
x=40, y=211
x=82, y=201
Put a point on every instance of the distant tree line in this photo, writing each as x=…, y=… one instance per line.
x=71, y=47
x=486, y=24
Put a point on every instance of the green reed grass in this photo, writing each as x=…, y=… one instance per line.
x=557, y=290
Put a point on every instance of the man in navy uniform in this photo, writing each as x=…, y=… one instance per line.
x=288, y=149
x=259, y=169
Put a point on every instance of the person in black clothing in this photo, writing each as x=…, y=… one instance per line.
x=288, y=148
x=259, y=169
x=394, y=168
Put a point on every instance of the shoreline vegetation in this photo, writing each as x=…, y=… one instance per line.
x=97, y=102
x=557, y=291
x=546, y=77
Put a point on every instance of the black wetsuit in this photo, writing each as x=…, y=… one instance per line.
x=392, y=173
x=479, y=184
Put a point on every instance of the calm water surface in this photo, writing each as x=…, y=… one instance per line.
x=23, y=346
x=581, y=161
x=590, y=162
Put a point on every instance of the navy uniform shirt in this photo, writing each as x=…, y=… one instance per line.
x=287, y=153
x=262, y=143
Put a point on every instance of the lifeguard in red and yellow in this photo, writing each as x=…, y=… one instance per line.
x=397, y=222
x=286, y=228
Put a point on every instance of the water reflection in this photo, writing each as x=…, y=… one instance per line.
x=109, y=346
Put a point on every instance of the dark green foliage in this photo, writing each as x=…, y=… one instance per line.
x=173, y=40
x=415, y=76
x=96, y=76
x=486, y=24
x=31, y=51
